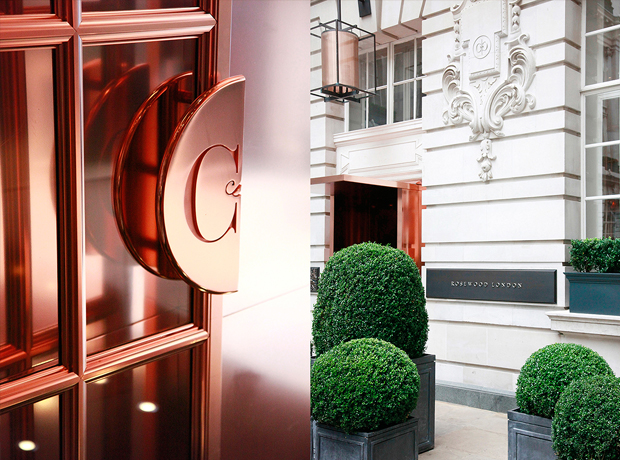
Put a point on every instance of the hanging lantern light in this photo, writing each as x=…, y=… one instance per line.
x=340, y=50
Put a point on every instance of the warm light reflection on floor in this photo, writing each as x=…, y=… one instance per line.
x=27, y=446
x=148, y=406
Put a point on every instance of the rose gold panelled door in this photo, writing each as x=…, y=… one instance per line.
x=104, y=324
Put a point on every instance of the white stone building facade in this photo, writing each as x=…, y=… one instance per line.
x=517, y=149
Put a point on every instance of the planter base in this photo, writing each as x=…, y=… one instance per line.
x=529, y=437
x=595, y=293
x=425, y=410
x=398, y=442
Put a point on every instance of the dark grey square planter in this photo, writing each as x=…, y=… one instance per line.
x=595, y=293
x=529, y=437
x=425, y=410
x=397, y=442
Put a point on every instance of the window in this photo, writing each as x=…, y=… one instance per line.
x=601, y=120
x=399, y=86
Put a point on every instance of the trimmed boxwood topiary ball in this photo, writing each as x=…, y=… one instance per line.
x=370, y=290
x=548, y=371
x=586, y=424
x=363, y=385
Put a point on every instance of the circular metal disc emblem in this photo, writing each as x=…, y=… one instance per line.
x=199, y=189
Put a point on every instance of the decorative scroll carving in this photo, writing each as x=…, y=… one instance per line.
x=485, y=159
x=478, y=88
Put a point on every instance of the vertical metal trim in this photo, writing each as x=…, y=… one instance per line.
x=206, y=59
x=412, y=224
x=213, y=377
x=72, y=347
x=78, y=243
x=338, y=27
x=67, y=207
x=79, y=419
x=212, y=74
x=206, y=422
x=223, y=31
x=401, y=233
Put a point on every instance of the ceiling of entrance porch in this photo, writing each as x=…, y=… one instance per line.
x=390, y=19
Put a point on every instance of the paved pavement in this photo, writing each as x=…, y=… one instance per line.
x=465, y=433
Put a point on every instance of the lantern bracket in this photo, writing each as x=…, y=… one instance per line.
x=340, y=62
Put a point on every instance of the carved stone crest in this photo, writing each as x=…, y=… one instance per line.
x=489, y=73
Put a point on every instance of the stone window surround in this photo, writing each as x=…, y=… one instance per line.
x=579, y=323
x=602, y=90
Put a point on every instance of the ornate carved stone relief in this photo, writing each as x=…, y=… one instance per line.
x=490, y=72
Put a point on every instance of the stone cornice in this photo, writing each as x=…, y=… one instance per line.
x=581, y=323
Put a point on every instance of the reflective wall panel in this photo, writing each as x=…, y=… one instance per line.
x=124, y=301
x=266, y=324
x=28, y=254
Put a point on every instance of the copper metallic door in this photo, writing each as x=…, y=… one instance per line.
x=104, y=335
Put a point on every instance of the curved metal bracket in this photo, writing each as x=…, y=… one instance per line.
x=136, y=171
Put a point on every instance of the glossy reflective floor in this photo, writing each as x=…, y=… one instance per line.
x=465, y=433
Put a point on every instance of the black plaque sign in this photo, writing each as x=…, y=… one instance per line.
x=531, y=286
